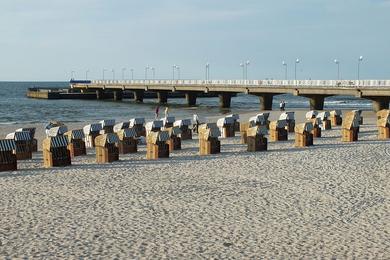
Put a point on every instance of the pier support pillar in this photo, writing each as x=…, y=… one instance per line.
x=379, y=103
x=225, y=100
x=316, y=102
x=99, y=94
x=118, y=95
x=191, y=98
x=162, y=97
x=265, y=101
x=139, y=96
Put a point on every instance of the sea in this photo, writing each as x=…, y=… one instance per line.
x=16, y=108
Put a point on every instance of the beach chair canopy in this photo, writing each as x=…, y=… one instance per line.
x=257, y=130
x=92, y=128
x=120, y=126
x=182, y=122
x=127, y=133
x=168, y=120
x=207, y=126
x=383, y=122
x=174, y=131
x=7, y=145
x=324, y=115
x=225, y=121
x=104, y=139
x=351, y=120
x=57, y=130
x=155, y=137
x=359, y=111
x=336, y=112
x=55, y=142
x=52, y=124
x=316, y=121
x=137, y=121
x=19, y=136
x=235, y=117
x=311, y=114
x=29, y=129
x=207, y=133
x=153, y=124
x=107, y=122
x=76, y=134
x=265, y=115
x=287, y=116
x=303, y=127
x=258, y=119
x=277, y=124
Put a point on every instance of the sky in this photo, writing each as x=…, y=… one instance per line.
x=48, y=39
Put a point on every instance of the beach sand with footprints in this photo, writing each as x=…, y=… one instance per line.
x=328, y=200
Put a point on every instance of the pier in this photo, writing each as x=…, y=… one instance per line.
x=315, y=90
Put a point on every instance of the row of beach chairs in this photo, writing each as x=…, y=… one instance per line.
x=164, y=136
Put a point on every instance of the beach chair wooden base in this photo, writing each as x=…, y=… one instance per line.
x=156, y=151
x=58, y=157
x=257, y=143
x=77, y=148
x=128, y=146
x=349, y=135
x=316, y=132
x=212, y=146
x=34, y=145
x=244, y=137
x=290, y=127
x=8, y=161
x=280, y=134
x=236, y=126
x=107, y=154
x=174, y=143
x=303, y=140
x=336, y=121
x=383, y=133
x=228, y=131
x=326, y=124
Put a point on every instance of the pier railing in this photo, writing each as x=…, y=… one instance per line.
x=260, y=83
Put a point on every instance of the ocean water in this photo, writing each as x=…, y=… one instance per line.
x=15, y=107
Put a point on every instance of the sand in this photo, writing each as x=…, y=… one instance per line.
x=329, y=200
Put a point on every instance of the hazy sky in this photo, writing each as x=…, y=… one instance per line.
x=47, y=39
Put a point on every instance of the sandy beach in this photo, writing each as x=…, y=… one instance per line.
x=331, y=200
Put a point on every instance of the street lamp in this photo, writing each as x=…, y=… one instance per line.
x=132, y=74
x=104, y=70
x=285, y=69
x=153, y=72
x=207, y=71
x=178, y=72
x=359, y=60
x=296, y=62
x=243, y=70
x=246, y=69
x=72, y=74
x=113, y=74
x=338, y=68
x=86, y=74
x=146, y=72
x=123, y=73
x=173, y=71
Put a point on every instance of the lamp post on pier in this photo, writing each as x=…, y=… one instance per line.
x=246, y=69
x=207, y=71
x=123, y=73
x=359, y=61
x=338, y=68
x=178, y=72
x=285, y=69
x=104, y=70
x=72, y=74
x=113, y=74
x=86, y=74
x=132, y=74
x=296, y=62
x=146, y=72
x=153, y=72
